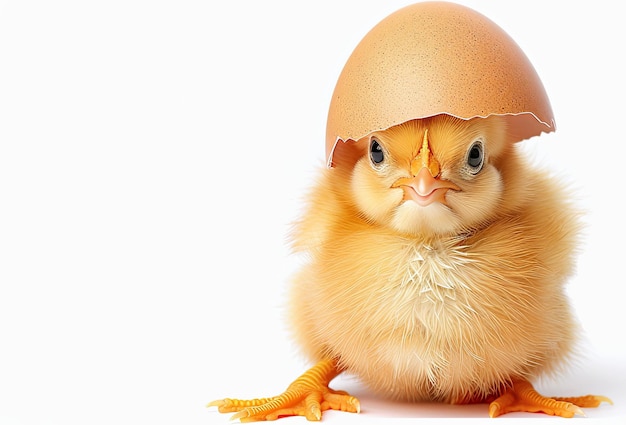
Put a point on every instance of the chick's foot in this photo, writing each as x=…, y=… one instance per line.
x=522, y=397
x=307, y=396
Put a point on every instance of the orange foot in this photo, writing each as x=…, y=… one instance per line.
x=307, y=396
x=522, y=397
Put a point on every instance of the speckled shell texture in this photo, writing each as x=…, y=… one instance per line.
x=431, y=58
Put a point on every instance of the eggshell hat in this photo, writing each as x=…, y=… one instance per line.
x=431, y=58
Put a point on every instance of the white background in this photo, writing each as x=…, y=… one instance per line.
x=152, y=157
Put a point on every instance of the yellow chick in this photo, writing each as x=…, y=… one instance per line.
x=437, y=263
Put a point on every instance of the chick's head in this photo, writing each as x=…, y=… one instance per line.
x=433, y=176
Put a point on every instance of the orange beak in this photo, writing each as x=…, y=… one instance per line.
x=425, y=187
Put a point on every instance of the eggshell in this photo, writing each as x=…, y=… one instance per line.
x=431, y=58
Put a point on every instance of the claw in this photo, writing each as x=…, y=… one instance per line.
x=316, y=412
x=494, y=410
x=240, y=415
x=576, y=410
x=602, y=398
x=215, y=403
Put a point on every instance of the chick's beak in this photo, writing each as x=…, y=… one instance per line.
x=425, y=187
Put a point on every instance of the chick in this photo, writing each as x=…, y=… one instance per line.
x=437, y=263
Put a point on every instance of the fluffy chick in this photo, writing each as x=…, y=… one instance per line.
x=437, y=258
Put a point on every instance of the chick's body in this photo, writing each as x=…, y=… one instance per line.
x=436, y=263
x=449, y=301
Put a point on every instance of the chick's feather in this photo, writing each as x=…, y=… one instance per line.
x=444, y=302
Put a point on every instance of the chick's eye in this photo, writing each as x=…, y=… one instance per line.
x=376, y=152
x=475, y=157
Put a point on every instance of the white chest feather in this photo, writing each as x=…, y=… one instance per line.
x=432, y=285
x=436, y=271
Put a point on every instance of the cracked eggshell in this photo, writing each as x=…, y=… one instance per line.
x=435, y=58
